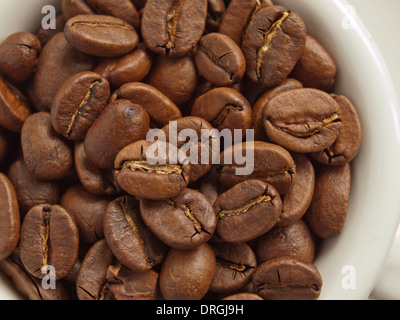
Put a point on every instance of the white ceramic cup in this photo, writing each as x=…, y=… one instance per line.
x=351, y=263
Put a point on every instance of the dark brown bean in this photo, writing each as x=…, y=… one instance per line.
x=78, y=103
x=287, y=279
x=120, y=124
x=173, y=27
x=101, y=36
x=247, y=210
x=72, y=8
x=182, y=222
x=18, y=56
x=9, y=217
x=49, y=236
x=302, y=120
x=187, y=274
x=44, y=35
x=215, y=10
x=243, y=296
x=132, y=243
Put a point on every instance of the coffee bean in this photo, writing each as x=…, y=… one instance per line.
x=258, y=108
x=308, y=120
x=78, y=103
x=315, y=68
x=47, y=155
x=44, y=35
x=57, y=63
x=152, y=170
x=328, y=210
x=272, y=164
x=91, y=282
x=273, y=43
x=132, y=243
x=49, y=237
x=175, y=77
x=247, y=211
x=31, y=191
x=215, y=11
x=348, y=143
x=243, y=296
x=14, y=107
x=287, y=279
x=173, y=27
x=120, y=124
x=18, y=56
x=101, y=36
x=9, y=217
x=125, y=284
x=220, y=60
x=182, y=222
x=236, y=264
x=295, y=240
x=224, y=108
x=88, y=211
x=187, y=274
x=210, y=186
x=158, y=106
x=296, y=202
x=72, y=8
x=94, y=179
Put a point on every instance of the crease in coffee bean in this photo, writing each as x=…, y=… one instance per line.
x=245, y=207
x=217, y=61
x=81, y=106
x=331, y=155
x=189, y=214
x=239, y=268
x=132, y=226
x=101, y=24
x=152, y=168
x=286, y=287
x=267, y=176
x=223, y=113
x=268, y=38
x=325, y=122
x=44, y=234
x=172, y=24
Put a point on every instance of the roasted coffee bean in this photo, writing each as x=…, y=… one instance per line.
x=30, y=287
x=132, y=243
x=215, y=11
x=101, y=36
x=210, y=186
x=72, y=8
x=220, y=60
x=175, y=77
x=49, y=237
x=91, y=281
x=258, y=108
x=243, y=296
x=120, y=124
x=14, y=107
x=78, y=103
x=328, y=210
x=236, y=264
x=296, y=202
x=94, y=179
x=182, y=222
x=224, y=108
x=348, y=143
x=44, y=35
x=303, y=120
x=295, y=240
x=187, y=274
x=173, y=27
x=123, y=9
x=158, y=106
x=237, y=16
x=287, y=279
x=152, y=170
x=47, y=155
x=18, y=56
x=132, y=67
x=247, y=211
x=315, y=68
x=88, y=211
x=9, y=217
x=31, y=191
x=4, y=144
x=57, y=63
x=125, y=284
x=273, y=43
x=198, y=139
x=270, y=163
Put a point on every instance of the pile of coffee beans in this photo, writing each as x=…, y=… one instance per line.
x=85, y=211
